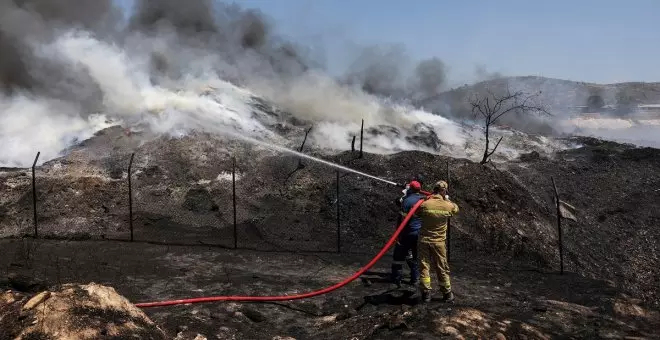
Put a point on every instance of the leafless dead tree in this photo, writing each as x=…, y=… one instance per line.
x=491, y=107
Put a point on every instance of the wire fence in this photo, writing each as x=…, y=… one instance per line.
x=283, y=224
x=150, y=216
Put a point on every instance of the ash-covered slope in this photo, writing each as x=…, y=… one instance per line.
x=616, y=190
x=182, y=194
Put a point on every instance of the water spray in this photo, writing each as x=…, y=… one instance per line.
x=311, y=158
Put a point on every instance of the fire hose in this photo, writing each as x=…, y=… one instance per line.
x=326, y=290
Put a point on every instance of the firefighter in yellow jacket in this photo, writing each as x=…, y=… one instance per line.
x=434, y=213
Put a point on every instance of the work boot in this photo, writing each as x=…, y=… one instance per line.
x=426, y=296
x=396, y=278
x=448, y=297
x=396, y=281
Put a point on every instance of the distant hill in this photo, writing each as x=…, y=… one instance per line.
x=558, y=95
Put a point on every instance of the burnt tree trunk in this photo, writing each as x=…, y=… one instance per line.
x=485, y=158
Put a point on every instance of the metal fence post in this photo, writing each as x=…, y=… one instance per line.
x=559, y=231
x=233, y=197
x=448, y=223
x=361, y=136
x=338, y=216
x=130, y=195
x=34, y=195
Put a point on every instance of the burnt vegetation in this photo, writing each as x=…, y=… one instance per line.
x=492, y=106
x=504, y=236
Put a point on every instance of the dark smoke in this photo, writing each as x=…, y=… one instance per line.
x=26, y=21
x=13, y=69
x=254, y=30
x=241, y=38
x=196, y=17
x=380, y=70
x=386, y=71
x=431, y=78
x=97, y=15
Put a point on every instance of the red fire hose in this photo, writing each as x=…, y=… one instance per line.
x=298, y=296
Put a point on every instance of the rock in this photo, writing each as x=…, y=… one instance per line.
x=199, y=200
x=239, y=316
x=500, y=336
x=397, y=323
x=7, y=298
x=96, y=311
x=185, y=335
x=277, y=337
x=205, y=312
x=36, y=300
x=254, y=315
x=346, y=314
x=449, y=330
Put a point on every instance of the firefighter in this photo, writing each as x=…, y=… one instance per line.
x=419, y=178
x=405, y=250
x=434, y=213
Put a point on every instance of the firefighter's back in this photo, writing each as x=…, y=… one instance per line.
x=435, y=213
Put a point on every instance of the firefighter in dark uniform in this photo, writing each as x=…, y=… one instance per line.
x=405, y=250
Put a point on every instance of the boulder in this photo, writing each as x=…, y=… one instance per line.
x=89, y=311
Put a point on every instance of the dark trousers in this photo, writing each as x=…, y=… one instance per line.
x=405, y=244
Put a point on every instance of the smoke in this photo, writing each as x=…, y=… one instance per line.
x=430, y=78
x=239, y=43
x=388, y=71
x=25, y=26
x=70, y=68
x=482, y=74
x=195, y=18
x=380, y=70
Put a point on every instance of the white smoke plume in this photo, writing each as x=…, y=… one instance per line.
x=71, y=73
x=170, y=72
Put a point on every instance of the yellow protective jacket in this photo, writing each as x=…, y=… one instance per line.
x=435, y=212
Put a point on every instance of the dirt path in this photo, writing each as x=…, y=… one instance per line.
x=491, y=298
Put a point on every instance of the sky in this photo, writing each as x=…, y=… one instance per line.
x=601, y=41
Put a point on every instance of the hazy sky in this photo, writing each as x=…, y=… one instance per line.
x=600, y=41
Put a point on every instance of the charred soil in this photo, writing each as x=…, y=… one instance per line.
x=505, y=236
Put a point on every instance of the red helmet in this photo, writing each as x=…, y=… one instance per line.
x=415, y=185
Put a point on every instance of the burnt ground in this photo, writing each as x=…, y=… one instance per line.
x=616, y=191
x=182, y=195
x=513, y=300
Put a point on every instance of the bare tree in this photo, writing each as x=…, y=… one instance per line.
x=491, y=107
